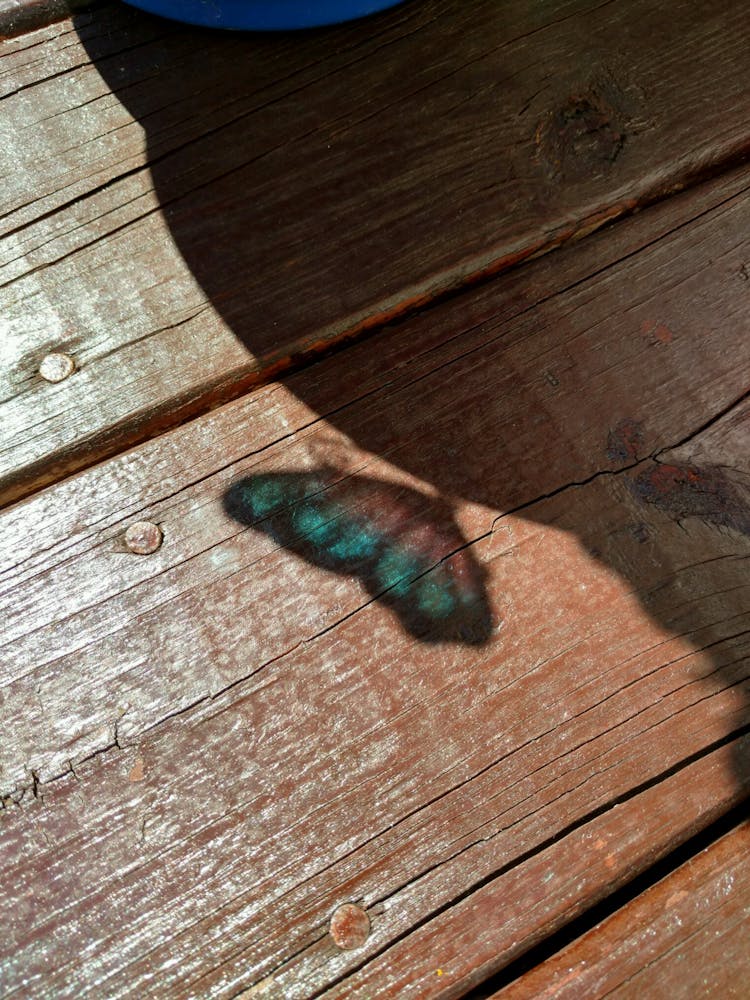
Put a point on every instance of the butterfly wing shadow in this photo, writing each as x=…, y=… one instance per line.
x=405, y=547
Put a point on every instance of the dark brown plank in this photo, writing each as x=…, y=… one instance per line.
x=336, y=736
x=253, y=199
x=684, y=938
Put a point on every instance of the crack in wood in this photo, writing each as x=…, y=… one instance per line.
x=555, y=946
x=725, y=673
x=572, y=828
x=213, y=696
x=479, y=271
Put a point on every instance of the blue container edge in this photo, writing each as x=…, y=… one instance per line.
x=263, y=15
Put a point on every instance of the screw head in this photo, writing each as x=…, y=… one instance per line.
x=56, y=367
x=350, y=927
x=144, y=537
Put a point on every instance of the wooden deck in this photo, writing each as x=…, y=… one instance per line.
x=420, y=348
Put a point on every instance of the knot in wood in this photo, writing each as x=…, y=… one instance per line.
x=583, y=136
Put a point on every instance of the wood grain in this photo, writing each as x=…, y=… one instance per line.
x=684, y=938
x=86, y=624
x=198, y=211
x=171, y=868
x=253, y=726
x=74, y=598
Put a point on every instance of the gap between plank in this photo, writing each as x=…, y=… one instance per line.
x=567, y=831
x=449, y=286
x=559, y=940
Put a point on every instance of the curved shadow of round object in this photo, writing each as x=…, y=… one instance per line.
x=236, y=197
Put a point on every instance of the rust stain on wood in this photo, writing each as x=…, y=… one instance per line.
x=710, y=494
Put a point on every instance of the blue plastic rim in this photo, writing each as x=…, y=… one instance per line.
x=263, y=15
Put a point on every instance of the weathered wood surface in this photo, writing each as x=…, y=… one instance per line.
x=687, y=937
x=408, y=775
x=197, y=210
x=156, y=871
x=559, y=385
x=557, y=697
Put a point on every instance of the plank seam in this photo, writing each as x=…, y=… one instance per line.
x=680, y=944
x=486, y=839
x=551, y=841
x=605, y=807
x=579, y=926
x=227, y=389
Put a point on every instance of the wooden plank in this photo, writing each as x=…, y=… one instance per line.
x=173, y=863
x=561, y=760
x=684, y=938
x=586, y=381
x=577, y=670
x=450, y=953
x=182, y=244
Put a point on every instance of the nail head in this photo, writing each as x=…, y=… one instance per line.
x=350, y=927
x=144, y=537
x=56, y=367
